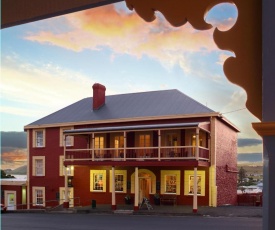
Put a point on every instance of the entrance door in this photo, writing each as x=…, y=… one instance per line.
x=70, y=196
x=10, y=200
x=144, y=188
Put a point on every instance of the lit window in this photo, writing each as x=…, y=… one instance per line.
x=99, y=144
x=119, y=183
x=62, y=168
x=191, y=185
x=144, y=141
x=189, y=182
x=119, y=143
x=98, y=182
x=170, y=183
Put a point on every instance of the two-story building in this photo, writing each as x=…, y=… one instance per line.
x=105, y=148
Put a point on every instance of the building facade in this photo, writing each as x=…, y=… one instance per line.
x=108, y=148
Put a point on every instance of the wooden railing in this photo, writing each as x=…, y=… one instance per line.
x=138, y=153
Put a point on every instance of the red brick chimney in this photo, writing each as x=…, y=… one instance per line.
x=98, y=96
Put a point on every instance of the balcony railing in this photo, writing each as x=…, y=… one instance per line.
x=138, y=154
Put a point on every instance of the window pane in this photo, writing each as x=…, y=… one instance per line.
x=118, y=183
x=191, y=184
x=39, y=167
x=39, y=138
x=98, y=182
x=39, y=197
x=69, y=141
x=170, y=183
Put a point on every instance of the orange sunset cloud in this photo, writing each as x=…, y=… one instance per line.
x=13, y=159
x=127, y=33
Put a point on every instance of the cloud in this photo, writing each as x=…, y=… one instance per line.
x=252, y=157
x=249, y=142
x=13, y=140
x=29, y=88
x=127, y=33
x=13, y=159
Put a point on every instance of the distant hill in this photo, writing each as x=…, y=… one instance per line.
x=20, y=171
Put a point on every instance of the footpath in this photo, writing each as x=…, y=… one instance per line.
x=178, y=210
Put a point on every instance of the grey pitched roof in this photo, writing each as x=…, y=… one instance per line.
x=154, y=103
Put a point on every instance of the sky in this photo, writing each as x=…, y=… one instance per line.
x=49, y=64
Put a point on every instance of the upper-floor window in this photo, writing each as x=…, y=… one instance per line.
x=119, y=141
x=69, y=140
x=172, y=139
x=99, y=142
x=38, y=168
x=119, y=144
x=98, y=145
x=144, y=140
x=39, y=138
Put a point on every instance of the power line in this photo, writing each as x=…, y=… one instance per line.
x=234, y=111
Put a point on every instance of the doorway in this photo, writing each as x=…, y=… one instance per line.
x=144, y=187
x=10, y=200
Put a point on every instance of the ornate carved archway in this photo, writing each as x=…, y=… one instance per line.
x=244, y=38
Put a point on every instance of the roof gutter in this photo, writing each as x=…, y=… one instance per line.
x=133, y=119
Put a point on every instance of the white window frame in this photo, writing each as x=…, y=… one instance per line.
x=39, y=143
x=69, y=139
x=34, y=165
x=35, y=190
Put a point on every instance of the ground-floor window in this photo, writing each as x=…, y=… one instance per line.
x=170, y=182
x=189, y=182
x=98, y=180
x=38, y=196
x=120, y=180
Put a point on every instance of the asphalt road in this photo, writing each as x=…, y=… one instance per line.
x=30, y=221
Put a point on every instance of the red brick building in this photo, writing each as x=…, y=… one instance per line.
x=136, y=145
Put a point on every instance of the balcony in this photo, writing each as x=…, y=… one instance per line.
x=137, y=154
x=120, y=145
